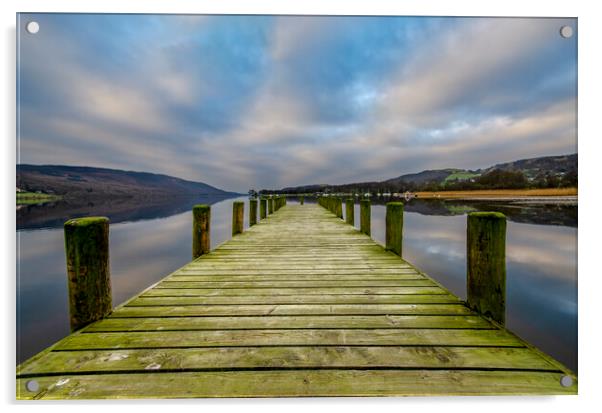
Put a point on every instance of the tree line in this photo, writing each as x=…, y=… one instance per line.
x=495, y=179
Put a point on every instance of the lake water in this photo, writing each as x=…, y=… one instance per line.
x=148, y=243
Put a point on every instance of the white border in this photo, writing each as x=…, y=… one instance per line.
x=589, y=174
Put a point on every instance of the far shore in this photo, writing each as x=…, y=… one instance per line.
x=502, y=194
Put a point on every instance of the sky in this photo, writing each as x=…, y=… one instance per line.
x=243, y=102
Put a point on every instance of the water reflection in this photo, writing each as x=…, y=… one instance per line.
x=541, y=273
x=141, y=253
x=541, y=262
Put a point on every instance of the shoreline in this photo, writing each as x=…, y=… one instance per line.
x=555, y=195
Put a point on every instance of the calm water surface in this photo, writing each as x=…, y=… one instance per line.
x=541, y=263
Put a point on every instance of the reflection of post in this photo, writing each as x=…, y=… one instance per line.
x=88, y=274
x=252, y=212
x=262, y=208
x=486, y=264
x=394, y=224
x=365, y=216
x=350, y=211
x=238, y=213
x=201, y=220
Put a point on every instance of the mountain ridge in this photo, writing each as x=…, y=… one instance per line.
x=86, y=182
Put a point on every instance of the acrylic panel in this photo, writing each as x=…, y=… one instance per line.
x=267, y=206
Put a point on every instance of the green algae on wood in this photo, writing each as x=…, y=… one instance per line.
x=88, y=273
x=339, y=207
x=252, y=212
x=486, y=264
x=238, y=213
x=201, y=223
x=350, y=211
x=263, y=208
x=365, y=216
x=394, y=227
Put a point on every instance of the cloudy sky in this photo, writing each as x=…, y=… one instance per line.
x=245, y=102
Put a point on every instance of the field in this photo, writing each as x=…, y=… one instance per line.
x=461, y=175
x=26, y=198
x=500, y=193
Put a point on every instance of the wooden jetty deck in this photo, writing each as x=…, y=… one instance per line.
x=301, y=304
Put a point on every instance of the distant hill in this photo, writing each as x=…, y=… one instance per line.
x=544, y=170
x=531, y=168
x=82, y=182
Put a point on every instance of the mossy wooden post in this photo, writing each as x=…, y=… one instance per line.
x=201, y=221
x=350, y=211
x=339, y=207
x=301, y=200
x=486, y=264
x=365, y=216
x=394, y=227
x=88, y=274
x=263, y=208
x=270, y=205
x=252, y=212
x=238, y=214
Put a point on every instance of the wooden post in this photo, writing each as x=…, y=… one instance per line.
x=350, y=211
x=270, y=205
x=88, y=273
x=252, y=212
x=238, y=214
x=394, y=230
x=301, y=200
x=486, y=264
x=201, y=220
x=339, y=207
x=365, y=216
x=263, y=208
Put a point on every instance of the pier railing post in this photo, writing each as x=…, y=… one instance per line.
x=263, y=203
x=301, y=200
x=201, y=221
x=252, y=212
x=339, y=207
x=394, y=227
x=350, y=211
x=365, y=216
x=88, y=273
x=486, y=264
x=238, y=214
x=270, y=205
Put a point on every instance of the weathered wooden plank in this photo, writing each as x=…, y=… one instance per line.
x=193, y=292
x=289, y=322
x=65, y=362
x=295, y=309
x=299, y=299
x=367, y=272
x=171, y=283
x=278, y=337
x=295, y=278
x=297, y=383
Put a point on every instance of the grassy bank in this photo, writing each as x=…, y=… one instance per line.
x=27, y=198
x=500, y=193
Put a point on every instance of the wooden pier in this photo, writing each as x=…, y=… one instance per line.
x=300, y=304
